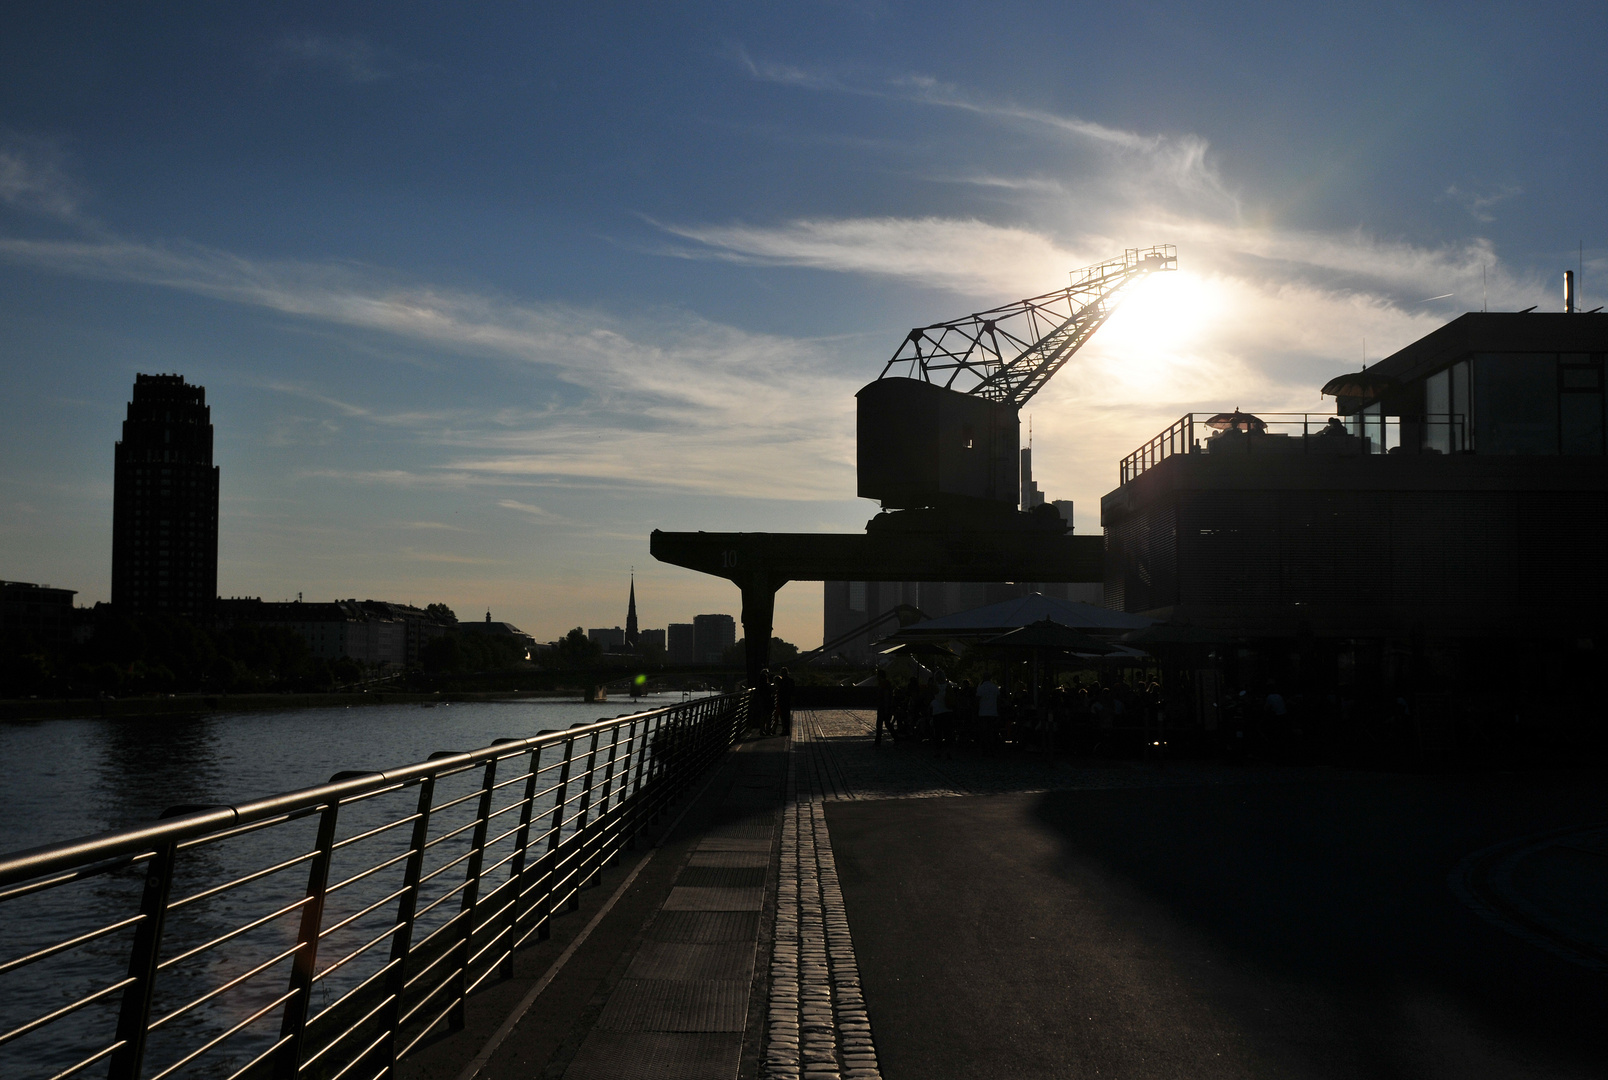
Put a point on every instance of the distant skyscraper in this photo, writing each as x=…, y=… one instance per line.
x=630, y=617
x=1031, y=495
x=165, y=500
x=712, y=636
x=681, y=643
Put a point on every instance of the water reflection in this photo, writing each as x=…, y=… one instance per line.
x=74, y=777
x=149, y=766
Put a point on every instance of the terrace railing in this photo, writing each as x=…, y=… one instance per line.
x=1305, y=433
x=325, y=932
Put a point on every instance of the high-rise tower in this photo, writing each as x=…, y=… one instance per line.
x=630, y=617
x=165, y=501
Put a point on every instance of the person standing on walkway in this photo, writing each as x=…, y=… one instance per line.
x=784, y=701
x=884, y=704
x=943, y=717
x=988, y=711
x=764, y=705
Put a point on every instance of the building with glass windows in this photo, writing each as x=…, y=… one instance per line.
x=1462, y=491
x=165, y=501
x=1437, y=552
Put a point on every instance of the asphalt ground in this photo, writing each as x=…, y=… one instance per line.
x=1299, y=924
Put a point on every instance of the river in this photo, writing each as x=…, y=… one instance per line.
x=68, y=778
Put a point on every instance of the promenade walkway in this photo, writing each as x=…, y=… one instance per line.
x=1023, y=916
x=830, y=909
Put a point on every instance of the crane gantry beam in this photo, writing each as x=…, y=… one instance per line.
x=1008, y=353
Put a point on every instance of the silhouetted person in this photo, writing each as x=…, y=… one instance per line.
x=943, y=717
x=764, y=705
x=784, y=701
x=884, y=704
x=988, y=711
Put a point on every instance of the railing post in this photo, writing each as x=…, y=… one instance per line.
x=305, y=963
x=581, y=831
x=605, y=809
x=471, y=894
x=627, y=802
x=550, y=859
x=402, y=938
x=516, y=870
x=144, y=955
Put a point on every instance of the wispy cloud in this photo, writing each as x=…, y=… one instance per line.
x=450, y=557
x=408, y=419
x=32, y=179
x=1180, y=163
x=673, y=402
x=967, y=256
x=351, y=59
x=1479, y=203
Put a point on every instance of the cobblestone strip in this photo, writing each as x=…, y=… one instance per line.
x=817, y=1026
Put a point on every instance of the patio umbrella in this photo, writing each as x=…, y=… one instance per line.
x=1048, y=634
x=1044, y=636
x=919, y=648
x=1163, y=634
x=1359, y=384
x=1237, y=421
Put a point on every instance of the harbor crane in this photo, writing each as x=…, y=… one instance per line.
x=940, y=428
x=939, y=440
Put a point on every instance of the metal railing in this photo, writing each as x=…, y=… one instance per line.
x=1301, y=433
x=325, y=932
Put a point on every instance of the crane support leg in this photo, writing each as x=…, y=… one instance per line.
x=759, y=612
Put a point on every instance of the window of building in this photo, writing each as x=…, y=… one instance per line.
x=856, y=596
x=1516, y=400
x=1462, y=416
x=1438, y=411
x=1580, y=415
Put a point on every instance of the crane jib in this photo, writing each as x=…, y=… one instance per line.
x=1008, y=353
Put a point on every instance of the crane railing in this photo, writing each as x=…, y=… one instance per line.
x=325, y=932
x=1301, y=433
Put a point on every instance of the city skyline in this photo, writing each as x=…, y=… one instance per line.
x=479, y=304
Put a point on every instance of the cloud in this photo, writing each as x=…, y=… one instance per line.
x=671, y=402
x=966, y=256
x=524, y=508
x=351, y=59
x=1478, y=204
x=448, y=557
x=1146, y=164
x=33, y=180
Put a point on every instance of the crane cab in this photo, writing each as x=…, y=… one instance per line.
x=925, y=445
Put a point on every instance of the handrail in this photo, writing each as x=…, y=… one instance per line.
x=1359, y=433
x=138, y=962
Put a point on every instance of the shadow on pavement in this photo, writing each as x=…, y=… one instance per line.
x=1242, y=929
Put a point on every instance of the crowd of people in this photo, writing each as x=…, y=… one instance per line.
x=1087, y=717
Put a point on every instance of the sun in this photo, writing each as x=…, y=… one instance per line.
x=1164, y=315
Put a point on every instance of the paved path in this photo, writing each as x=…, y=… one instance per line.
x=1017, y=915
x=817, y=1025
x=681, y=1009
x=1200, y=921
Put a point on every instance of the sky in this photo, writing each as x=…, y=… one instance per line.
x=481, y=296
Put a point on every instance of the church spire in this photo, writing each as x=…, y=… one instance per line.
x=630, y=616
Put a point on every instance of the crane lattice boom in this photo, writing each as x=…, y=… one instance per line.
x=1008, y=353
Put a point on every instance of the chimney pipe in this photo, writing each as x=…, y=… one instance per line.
x=1568, y=292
